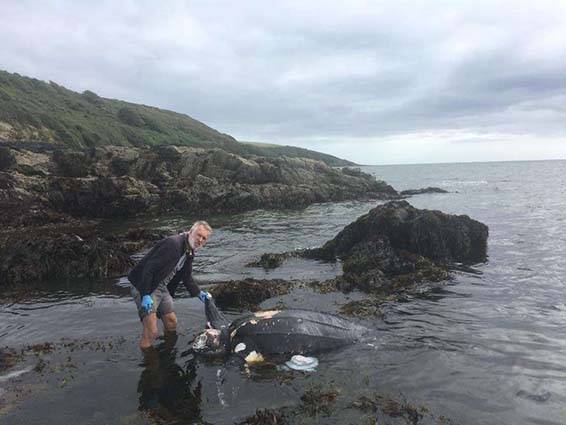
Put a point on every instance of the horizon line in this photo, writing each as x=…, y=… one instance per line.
x=462, y=162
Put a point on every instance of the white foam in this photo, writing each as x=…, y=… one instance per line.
x=15, y=374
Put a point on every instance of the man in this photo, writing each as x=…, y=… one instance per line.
x=155, y=278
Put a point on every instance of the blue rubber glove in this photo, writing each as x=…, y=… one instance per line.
x=203, y=295
x=147, y=303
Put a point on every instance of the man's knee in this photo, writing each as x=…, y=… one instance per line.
x=169, y=322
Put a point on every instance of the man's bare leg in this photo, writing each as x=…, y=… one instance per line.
x=149, y=332
x=169, y=322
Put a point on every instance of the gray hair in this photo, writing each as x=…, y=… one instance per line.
x=201, y=223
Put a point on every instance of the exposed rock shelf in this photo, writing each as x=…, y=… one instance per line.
x=51, y=197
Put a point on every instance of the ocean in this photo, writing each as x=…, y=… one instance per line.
x=487, y=347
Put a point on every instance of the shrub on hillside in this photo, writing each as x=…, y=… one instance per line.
x=130, y=117
x=91, y=97
x=7, y=158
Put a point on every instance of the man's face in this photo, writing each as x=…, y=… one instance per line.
x=198, y=237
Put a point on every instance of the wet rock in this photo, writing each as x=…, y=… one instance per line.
x=394, y=248
x=33, y=163
x=249, y=293
x=40, y=366
x=336, y=284
x=7, y=158
x=40, y=349
x=271, y=260
x=397, y=225
x=267, y=261
x=385, y=407
x=70, y=250
x=390, y=407
x=425, y=271
x=368, y=307
x=30, y=259
x=102, y=196
x=9, y=358
x=411, y=192
x=416, y=269
x=318, y=401
x=73, y=163
x=539, y=398
x=137, y=239
x=265, y=417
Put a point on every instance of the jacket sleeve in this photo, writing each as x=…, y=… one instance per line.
x=158, y=259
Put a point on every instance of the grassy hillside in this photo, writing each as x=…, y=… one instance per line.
x=35, y=109
x=271, y=150
x=31, y=109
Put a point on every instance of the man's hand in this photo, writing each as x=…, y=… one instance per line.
x=147, y=303
x=203, y=296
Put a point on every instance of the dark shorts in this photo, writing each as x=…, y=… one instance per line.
x=162, y=301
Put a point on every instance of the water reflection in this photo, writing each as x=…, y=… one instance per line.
x=166, y=390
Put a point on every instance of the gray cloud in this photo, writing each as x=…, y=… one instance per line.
x=317, y=74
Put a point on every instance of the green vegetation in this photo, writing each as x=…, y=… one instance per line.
x=271, y=150
x=31, y=109
x=47, y=111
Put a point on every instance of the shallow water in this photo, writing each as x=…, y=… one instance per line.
x=485, y=348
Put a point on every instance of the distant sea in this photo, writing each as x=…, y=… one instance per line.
x=486, y=348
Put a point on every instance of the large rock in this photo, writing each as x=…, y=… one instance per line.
x=30, y=258
x=67, y=250
x=395, y=247
x=103, y=196
x=7, y=158
x=411, y=192
x=247, y=294
x=397, y=226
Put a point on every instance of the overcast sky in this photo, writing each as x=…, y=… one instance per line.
x=376, y=82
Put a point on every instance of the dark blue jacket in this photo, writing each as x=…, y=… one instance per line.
x=160, y=261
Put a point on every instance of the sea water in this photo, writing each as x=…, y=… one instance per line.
x=486, y=348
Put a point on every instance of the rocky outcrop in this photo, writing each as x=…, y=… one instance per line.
x=247, y=294
x=67, y=250
x=411, y=192
x=387, y=230
x=394, y=247
x=117, y=181
x=387, y=253
x=274, y=260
